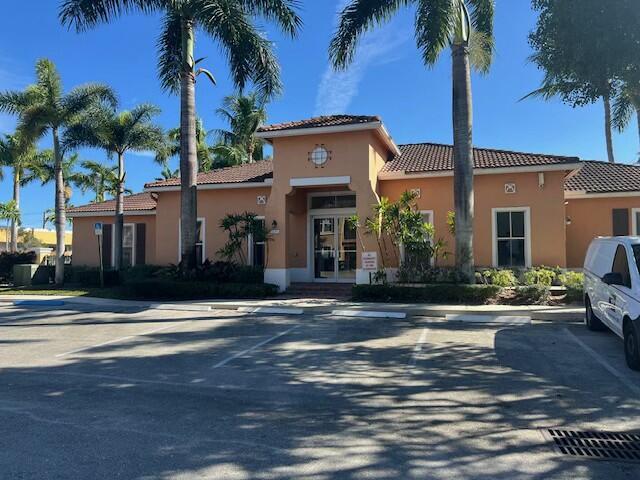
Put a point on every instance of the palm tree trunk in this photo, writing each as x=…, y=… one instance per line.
x=119, y=220
x=463, y=160
x=61, y=217
x=16, y=198
x=607, y=126
x=188, y=151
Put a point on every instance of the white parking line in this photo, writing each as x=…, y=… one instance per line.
x=418, y=348
x=255, y=347
x=121, y=339
x=598, y=358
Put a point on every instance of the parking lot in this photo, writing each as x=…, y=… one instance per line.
x=221, y=395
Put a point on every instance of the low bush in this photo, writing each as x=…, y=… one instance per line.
x=500, y=278
x=432, y=275
x=540, y=276
x=530, y=295
x=164, y=289
x=436, y=293
x=574, y=283
x=90, y=276
x=9, y=259
x=215, y=272
x=139, y=272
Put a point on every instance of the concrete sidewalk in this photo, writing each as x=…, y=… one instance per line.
x=324, y=306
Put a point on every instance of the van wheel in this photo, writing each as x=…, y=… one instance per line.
x=592, y=322
x=631, y=345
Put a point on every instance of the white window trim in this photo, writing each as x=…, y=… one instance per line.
x=527, y=233
x=113, y=243
x=634, y=222
x=204, y=239
x=401, y=246
x=250, y=243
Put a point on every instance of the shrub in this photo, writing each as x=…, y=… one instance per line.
x=216, y=272
x=500, y=278
x=164, y=289
x=90, y=276
x=139, y=272
x=572, y=279
x=431, y=275
x=437, y=293
x=9, y=259
x=540, y=276
x=531, y=295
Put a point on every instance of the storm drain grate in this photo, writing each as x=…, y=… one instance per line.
x=596, y=445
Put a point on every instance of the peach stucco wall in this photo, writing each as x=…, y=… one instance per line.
x=546, y=204
x=85, y=246
x=213, y=205
x=592, y=217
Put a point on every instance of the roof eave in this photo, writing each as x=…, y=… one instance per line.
x=110, y=213
x=378, y=126
x=211, y=186
x=404, y=175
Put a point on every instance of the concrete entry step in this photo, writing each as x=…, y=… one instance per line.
x=340, y=291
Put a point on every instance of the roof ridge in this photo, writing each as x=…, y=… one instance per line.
x=487, y=149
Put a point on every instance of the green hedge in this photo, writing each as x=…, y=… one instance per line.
x=90, y=276
x=464, y=294
x=162, y=289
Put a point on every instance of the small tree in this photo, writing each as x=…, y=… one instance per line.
x=238, y=228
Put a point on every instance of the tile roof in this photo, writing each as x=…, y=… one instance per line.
x=248, y=172
x=318, y=122
x=433, y=157
x=138, y=202
x=605, y=177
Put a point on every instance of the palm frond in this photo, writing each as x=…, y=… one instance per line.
x=15, y=102
x=169, y=47
x=356, y=18
x=622, y=111
x=85, y=14
x=48, y=81
x=282, y=12
x=481, y=50
x=482, y=17
x=84, y=97
x=435, y=25
x=249, y=54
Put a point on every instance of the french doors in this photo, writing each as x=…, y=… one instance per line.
x=334, y=249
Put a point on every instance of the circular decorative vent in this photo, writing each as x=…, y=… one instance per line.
x=319, y=156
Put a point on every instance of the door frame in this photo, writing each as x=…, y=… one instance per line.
x=323, y=213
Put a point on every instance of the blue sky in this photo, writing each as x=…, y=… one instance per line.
x=387, y=79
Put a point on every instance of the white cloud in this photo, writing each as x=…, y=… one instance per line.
x=379, y=47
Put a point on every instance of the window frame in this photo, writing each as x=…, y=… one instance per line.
x=204, y=239
x=251, y=245
x=113, y=243
x=527, y=234
x=634, y=222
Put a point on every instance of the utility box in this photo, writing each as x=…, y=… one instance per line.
x=23, y=274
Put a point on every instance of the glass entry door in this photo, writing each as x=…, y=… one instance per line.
x=334, y=249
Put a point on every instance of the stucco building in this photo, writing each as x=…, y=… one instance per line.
x=530, y=209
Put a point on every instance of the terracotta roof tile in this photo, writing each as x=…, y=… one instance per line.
x=138, y=202
x=318, y=122
x=433, y=157
x=249, y=172
x=605, y=177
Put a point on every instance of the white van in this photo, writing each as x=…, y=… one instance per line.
x=612, y=291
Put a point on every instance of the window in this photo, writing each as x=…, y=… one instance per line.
x=257, y=246
x=621, y=266
x=200, y=240
x=333, y=201
x=511, y=237
x=128, y=245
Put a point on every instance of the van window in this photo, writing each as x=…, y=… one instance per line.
x=636, y=255
x=621, y=266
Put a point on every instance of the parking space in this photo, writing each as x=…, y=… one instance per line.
x=159, y=394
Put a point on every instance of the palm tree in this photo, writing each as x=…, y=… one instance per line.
x=20, y=154
x=167, y=173
x=249, y=53
x=244, y=114
x=100, y=179
x=45, y=171
x=43, y=108
x=463, y=25
x=204, y=152
x=117, y=134
x=10, y=212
